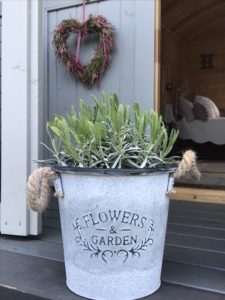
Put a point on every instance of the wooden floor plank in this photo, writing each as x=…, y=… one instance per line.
x=206, y=279
x=52, y=213
x=220, y=225
x=195, y=257
x=212, y=176
x=199, y=195
x=46, y=278
x=213, y=218
x=52, y=223
x=203, y=243
x=53, y=203
x=197, y=206
x=51, y=235
x=207, y=180
x=197, y=231
x=195, y=240
x=198, y=214
x=211, y=166
x=10, y=293
x=33, y=247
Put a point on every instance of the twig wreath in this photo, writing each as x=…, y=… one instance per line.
x=93, y=71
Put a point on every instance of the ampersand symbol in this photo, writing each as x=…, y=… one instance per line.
x=112, y=230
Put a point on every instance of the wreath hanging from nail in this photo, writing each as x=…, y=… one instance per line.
x=94, y=70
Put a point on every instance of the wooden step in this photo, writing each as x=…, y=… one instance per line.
x=195, y=277
x=44, y=278
x=198, y=195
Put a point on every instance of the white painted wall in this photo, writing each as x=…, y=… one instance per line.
x=20, y=106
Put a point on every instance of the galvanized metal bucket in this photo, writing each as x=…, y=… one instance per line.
x=113, y=228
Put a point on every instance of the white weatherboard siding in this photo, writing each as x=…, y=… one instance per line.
x=19, y=113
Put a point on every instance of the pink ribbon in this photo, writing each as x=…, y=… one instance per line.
x=79, y=35
x=83, y=11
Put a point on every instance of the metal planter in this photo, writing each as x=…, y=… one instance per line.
x=113, y=229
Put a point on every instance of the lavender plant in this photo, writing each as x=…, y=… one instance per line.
x=105, y=136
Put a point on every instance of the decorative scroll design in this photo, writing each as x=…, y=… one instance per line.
x=96, y=251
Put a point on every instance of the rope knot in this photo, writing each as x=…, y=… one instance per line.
x=38, y=188
x=187, y=164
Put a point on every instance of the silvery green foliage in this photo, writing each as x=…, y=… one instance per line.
x=105, y=136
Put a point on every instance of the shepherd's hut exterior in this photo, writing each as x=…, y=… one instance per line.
x=34, y=87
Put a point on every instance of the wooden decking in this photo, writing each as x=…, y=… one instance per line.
x=199, y=195
x=212, y=176
x=26, y=276
x=210, y=188
x=195, y=243
x=194, y=254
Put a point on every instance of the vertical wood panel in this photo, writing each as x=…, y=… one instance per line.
x=144, y=53
x=65, y=87
x=111, y=81
x=52, y=67
x=171, y=67
x=34, y=102
x=127, y=56
x=14, y=212
x=20, y=113
x=157, y=51
x=131, y=73
x=87, y=50
x=209, y=82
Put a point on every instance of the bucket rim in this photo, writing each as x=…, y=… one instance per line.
x=101, y=171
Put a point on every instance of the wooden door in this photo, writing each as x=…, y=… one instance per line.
x=131, y=73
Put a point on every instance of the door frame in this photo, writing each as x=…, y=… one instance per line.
x=180, y=193
x=157, y=55
x=20, y=114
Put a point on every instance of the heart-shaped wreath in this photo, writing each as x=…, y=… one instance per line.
x=94, y=70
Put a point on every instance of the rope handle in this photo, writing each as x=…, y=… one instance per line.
x=39, y=190
x=187, y=165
